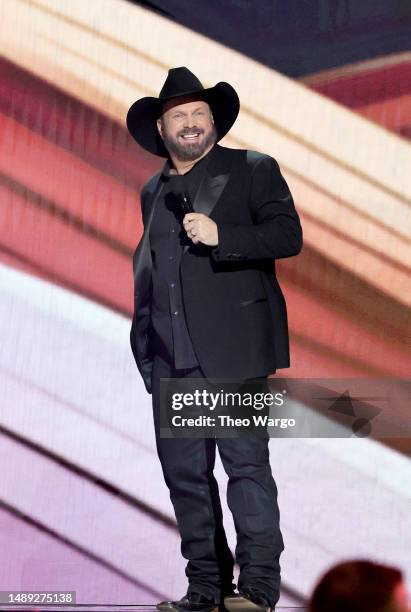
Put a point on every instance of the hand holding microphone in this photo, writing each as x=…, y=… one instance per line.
x=199, y=227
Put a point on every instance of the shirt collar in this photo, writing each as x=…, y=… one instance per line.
x=201, y=162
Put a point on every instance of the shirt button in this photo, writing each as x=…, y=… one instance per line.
x=171, y=284
x=172, y=229
x=171, y=257
x=175, y=312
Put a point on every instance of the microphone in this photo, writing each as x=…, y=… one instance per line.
x=181, y=195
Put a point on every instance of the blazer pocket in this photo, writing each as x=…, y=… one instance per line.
x=248, y=302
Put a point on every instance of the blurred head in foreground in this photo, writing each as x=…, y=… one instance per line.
x=360, y=586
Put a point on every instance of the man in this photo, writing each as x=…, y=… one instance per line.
x=360, y=586
x=208, y=305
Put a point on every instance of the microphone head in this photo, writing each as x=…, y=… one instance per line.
x=180, y=193
x=177, y=185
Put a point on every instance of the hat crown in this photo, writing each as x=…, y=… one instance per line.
x=178, y=82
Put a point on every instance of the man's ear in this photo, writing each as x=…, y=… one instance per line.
x=160, y=127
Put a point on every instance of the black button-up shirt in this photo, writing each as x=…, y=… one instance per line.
x=167, y=238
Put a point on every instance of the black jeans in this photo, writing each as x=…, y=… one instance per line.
x=188, y=465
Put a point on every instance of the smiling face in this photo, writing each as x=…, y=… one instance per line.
x=187, y=128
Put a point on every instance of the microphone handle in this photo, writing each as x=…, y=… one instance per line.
x=186, y=203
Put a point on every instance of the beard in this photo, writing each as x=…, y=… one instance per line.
x=189, y=151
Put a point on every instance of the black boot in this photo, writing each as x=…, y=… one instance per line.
x=248, y=600
x=191, y=602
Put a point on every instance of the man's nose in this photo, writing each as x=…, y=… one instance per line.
x=190, y=122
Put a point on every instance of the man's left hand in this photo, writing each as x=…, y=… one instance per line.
x=200, y=228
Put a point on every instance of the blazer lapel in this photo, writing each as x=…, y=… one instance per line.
x=211, y=187
x=142, y=261
x=208, y=193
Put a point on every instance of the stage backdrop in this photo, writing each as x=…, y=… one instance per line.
x=327, y=92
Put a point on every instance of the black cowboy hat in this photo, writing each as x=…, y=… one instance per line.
x=143, y=114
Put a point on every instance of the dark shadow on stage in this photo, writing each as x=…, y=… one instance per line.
x=112, y=608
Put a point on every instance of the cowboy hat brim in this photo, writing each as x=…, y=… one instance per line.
x=143, y=114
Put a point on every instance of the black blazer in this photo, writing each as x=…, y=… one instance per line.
x=235, y=309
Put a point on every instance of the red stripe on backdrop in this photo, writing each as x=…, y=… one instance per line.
x=382, y=95
x=64, y=253
x=76, y=189
x=395, y=115
x=343, y=346
x=368, y=86
x=71, y=125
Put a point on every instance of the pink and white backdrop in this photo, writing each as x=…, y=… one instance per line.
x=83, y=505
